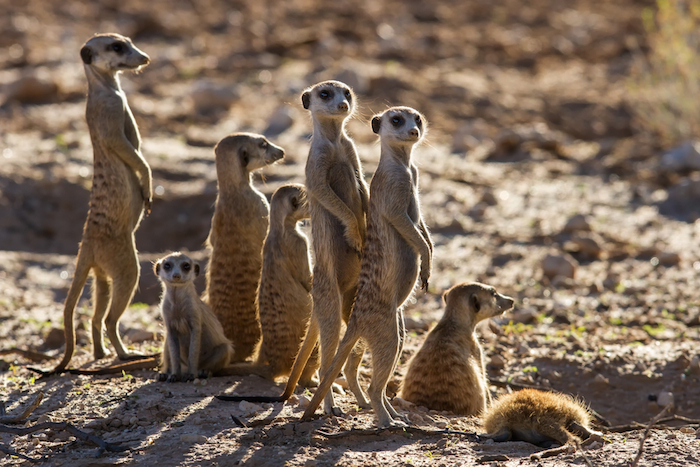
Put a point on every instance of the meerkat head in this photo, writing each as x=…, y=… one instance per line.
x=476, y=302
x=290, y=201
x=242, y=153
x=330, y=99
x=400, y=125
x=113, y=53
x=176, y=269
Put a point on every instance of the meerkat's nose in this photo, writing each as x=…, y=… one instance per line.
x=176, y=276
x=414, y=132
x=343, y=106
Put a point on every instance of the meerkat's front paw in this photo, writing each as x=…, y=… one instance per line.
x=204, y=374
x=162, y=376
x=352, y=236
x=187, y=377
x=173, y=378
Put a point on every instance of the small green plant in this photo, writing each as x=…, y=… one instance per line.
x=654, y=331
x=126, y=375
x=138, y=306
x=530, y=369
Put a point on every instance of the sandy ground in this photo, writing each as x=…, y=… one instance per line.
x=533, y=151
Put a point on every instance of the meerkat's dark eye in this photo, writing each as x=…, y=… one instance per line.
x=348, y=95
x=118, y=47
x=263, y=144
x=397, y=121
x=418, y=121
x=186, y=266
x=167, y=266
x=324, y=95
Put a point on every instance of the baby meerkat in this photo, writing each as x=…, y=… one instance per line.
x=193, y=335
x=238, y=230
x=397, y=252
x=448, y=372
x=284, y=296
x=121, y=191
x=541, y=418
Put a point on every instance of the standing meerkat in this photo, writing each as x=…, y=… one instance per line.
x=448, y=372
x=541, y=418
x=338, y=201
x=238, y=230
x=193, y=335
x=397, y=252
x=121, y=190
x=284, y=296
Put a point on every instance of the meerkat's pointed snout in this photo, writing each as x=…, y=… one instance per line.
x=505, y=303
x=343, y=106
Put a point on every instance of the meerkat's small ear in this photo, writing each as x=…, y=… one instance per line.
x=306, y=100
x=376, y=123
x=474, y=302
x=86, y=54
x=444, y=297
x=196, y=269
x=295, y=202
x=156, y=268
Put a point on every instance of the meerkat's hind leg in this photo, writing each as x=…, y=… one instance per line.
x=499, y=436
x=351, y=371
x=102, y=292
x=383, y=346
x=125, y=276
x=308, y=378
x=328, y=301
x=214, y=360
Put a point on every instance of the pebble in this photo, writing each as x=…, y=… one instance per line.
x=190, y=438
x=684, y=157
x=441, y=444
x=401, y=403
x=687, y=430
x=310, y=463
x=342, y=382
x=139, y=335
x=248, y=408
x=577, y=223
x=442, y=425
x=498, y=362
x=304, y=401
x=304, y=427
x=280, y=121
x=54, y=339
x=669, y=259
x=697, y=433
x=664, y=398
x=559, y=265
x=293, y=399
x=288, y=430
x=115, y=423
x=33, y=89
x=209, y=96
x=45, y=418
x=600, y=380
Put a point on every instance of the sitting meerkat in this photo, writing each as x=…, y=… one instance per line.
x=398, y=251
x=284, y=295
x=238, y=230
x=448, y=372
x=121, y=191
x=193, y=336
x=541, y=418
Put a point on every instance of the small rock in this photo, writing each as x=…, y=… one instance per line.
x=280, y=121
x=488, y=198
x=600, y=381
x=611, y=281
x=115, y=423
x=498, y=362
x=33, y=89
x=697, y=433
x=401, y=403
x=683, y=157
x=288, y=430
x=191, y=438
x=304, y=427
x=304, y=401
x=669, y=259
x=561, y=282
x=44, y=418
x=416, y=418
x=310, y=463
x=689, y=430
x=133, y=420
x=442, y=425
x=293, y=399
x=342, y=382
x=577, y=223
x=441, y=443
x=208, y=96
x=248, y=408
x=586, y=246
x=54, y=339
x=664, y=398
x=139, y=335
x=525, y=315
x=564, y=265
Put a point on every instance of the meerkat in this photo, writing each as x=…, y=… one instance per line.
x=284, y=295
x=338, y=201
x=121, y=191
x=541, y=418
x=397, y=253
x=193, y=335
x=238, y=230
x=448, y=372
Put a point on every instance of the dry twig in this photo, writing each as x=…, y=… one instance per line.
x=635, y=462
x=27, y=411
x=29, y=354
x=395, y=429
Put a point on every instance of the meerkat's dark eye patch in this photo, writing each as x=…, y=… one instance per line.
x=167, y=266
x=419, y=122
x=325, y=94
x=474, y=302
x=186, y=266
x=263, y=144
x=397, y=121
x=118, y=47
x=244, y=157
x=348, y=95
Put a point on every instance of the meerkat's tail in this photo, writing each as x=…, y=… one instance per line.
x=307, y=348
x=346, y=345
x=82, y=270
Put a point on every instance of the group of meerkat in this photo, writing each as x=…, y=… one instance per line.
x=261, y=299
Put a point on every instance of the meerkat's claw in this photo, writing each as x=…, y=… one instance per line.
x=187, y=377
x=173, y=379
x=162, y=376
